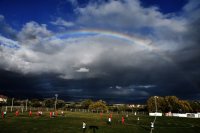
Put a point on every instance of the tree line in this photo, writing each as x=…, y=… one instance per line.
x=172, y=104
x=50, y=103
x=88, y=104
x=164, y=104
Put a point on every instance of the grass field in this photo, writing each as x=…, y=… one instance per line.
x=72, y=123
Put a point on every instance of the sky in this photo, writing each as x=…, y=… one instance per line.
x=121, y=51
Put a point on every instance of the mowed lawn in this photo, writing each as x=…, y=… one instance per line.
x=71, y=122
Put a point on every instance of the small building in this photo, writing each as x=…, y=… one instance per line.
x=131, y=105
x=136, y=106
x=168, y=114
x=3, y=99
x=118, y=105
x=155, y=114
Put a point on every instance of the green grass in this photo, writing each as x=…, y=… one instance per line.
x=72, y=123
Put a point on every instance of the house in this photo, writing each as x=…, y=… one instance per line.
x=3, y=98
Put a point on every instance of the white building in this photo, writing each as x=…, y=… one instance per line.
x=3, y=98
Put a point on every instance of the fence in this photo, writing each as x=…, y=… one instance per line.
x=44, y=109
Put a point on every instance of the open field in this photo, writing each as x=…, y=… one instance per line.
x=72, y=123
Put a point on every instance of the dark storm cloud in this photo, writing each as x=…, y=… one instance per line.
x=17, y=85
x=187, y=57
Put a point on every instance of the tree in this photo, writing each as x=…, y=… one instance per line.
x=86, y=103
x=122, y=108
x=151, y=104
x=98, y=106
x=49, y=103
x=60, y=103
x=172, y=103
x=185, y=106
x=195, y=105
x=169, y=103
x=72, y=105
x=36, y=103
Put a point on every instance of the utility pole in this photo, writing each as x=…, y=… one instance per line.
x=155, y=98
x=26, y=103
x=11, y=109
x=56, y=95
x=152, y=123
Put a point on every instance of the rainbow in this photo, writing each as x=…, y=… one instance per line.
x=116, y=35
x=132, y=40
